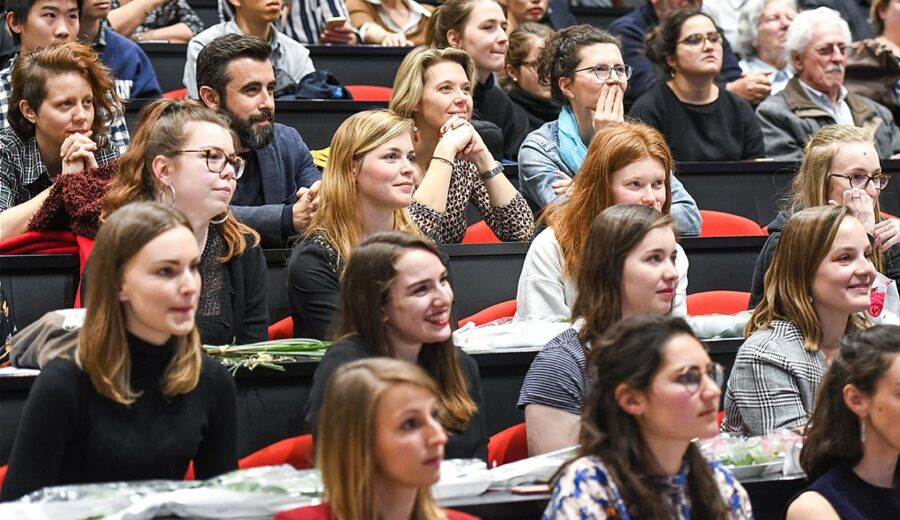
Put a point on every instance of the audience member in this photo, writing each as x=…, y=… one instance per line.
x=367, y=187
x=433, y=87
x=761, y=38
x=396, y=302
x=307, y=21
x=725, y=14
x=841, y=167
x=479, y=28
x=634, y=26
x=183, y=155
x=701, y=122
x=855, y=12
x=126, y=61
x=394, y=23
x=873, y=66
x=56, y=94
x=626, y=164
x=586, y=73
x=818, y=283
x=817, y=41
x=139, y=400
x=36, y=24
x=654, y=390
x=372, y=463
x=290, y=59
x=627, y=268
x=173, y=21
x=276, y=195
x=852, y=444
x=521, y=81
x=553, y=14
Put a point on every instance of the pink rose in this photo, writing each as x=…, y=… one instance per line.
x=877, y=302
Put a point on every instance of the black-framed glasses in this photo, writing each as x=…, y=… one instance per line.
x=861, y=180
x=831, y=48
x=692, y=378
x=217, y=159
x=698, y=39
x=603, y=72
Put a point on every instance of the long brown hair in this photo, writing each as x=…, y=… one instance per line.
x=161, y=131
x=805, y=241
x=365, y=288
x=610, y=151
x=102, y=346
x=345, y=446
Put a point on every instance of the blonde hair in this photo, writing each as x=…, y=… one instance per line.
x=338, y=217
x=805, y=241
x=345, y=450
x=409, y=83
x=102, y=350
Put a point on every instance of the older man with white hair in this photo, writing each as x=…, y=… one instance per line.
x=816, y=47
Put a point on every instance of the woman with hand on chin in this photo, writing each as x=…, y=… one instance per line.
x=395, y=302
x=138, y=400
x=56, y=127
x=434, y=88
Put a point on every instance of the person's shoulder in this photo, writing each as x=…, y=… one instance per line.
x=776, y=341
x=810, y=504
x=9, y=138
x=211, y=33
x=544, y=240
x=213, y=370
x=347, y=349
x=120, y=43
x=293, y=48
x=60, y=377
x=287, y=133
x=565, y=345
x=628, y=22
x=544, y=135
x=773, y=103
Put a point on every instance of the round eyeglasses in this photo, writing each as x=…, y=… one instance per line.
x=861, y=180
x=692, y=378
x=216, y=159
x=603, y=72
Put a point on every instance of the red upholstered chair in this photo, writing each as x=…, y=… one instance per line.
x=480, y=233
x=505, y=309
x=720, y=224
x=3, y=474
x=369, y=92
x=508, y=446
x=283, y=329
x=180, y=93
x=717, y=302
x=887, y=215
x=296, y=451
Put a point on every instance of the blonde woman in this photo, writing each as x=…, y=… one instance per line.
x=818, y=283
x=367, y=187
x=139, y=400
x=380, y=445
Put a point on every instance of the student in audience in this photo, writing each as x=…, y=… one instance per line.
x=520, y=12
x=628, y=267
x=55, y=128
x=183, y=155
x=433, y=87
x=654, y=390
x=290, y=59
x=392, y=23
x=840, y=167
x=396, y=302
x=634, y=26
x=479, y=28
x=818, y=282
x=36, y=24
x=139, y=400
x=573, y=61
x=277, y=193
x=626, y=164
x=380, y=444
x=854, y=12
x=173, y=21
x=873, y=65
x=307, y=21
x=521, y=81
x=367, y=187
x=701, y=122
x=815, y=97
x=131, y=68
x=852, y=444
x=761, y=37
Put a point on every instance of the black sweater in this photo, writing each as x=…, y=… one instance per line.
x=70, y=434
x=490, y=103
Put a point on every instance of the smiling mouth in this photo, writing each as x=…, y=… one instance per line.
x=441, y=318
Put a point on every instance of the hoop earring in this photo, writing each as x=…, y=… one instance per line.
x=221, y=220
x=162, y=193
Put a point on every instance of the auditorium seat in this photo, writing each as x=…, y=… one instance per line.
x=480, y=233
x=505, y=309
x=717, y=302
x=369, y=92
x=180, y=93
x=296, y=451
x=508, y=446
x=3, y=474
x=721, y=224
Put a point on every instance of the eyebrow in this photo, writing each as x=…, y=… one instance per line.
x=425, y=280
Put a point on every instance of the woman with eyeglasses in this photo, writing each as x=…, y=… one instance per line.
x=182, y=154
x=521, y=81
x=586, y=73
x=700, y=120
x=841, y=167
x=654, y=390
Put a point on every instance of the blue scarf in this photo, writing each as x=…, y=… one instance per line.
x=572, y=150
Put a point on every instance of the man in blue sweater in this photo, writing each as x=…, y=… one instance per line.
x=276, y=195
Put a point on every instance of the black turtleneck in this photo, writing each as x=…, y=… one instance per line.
x=70, y=434
x=492, y=104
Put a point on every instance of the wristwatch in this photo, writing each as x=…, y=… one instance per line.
x=496, y=170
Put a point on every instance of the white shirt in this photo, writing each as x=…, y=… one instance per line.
x=839, y=111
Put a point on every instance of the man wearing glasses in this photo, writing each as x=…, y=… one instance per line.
x=816, y=96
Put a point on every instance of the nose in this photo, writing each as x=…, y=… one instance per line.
x=502, y=37
x=670, y=274
x=190, y=282
x=436, y=434
x=61, y=30
x=865, y=269
x=711, y=390
x=267, y=100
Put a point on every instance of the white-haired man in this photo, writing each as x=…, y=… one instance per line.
x=815, y=97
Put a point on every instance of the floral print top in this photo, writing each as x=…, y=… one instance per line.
x=586, y=490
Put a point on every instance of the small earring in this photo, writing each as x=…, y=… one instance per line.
x=862, y=431
x=163, y=190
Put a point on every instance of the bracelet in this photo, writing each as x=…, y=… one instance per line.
x=448, y=162
x=493, y=172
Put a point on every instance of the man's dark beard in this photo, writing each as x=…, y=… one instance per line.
x=252, y=137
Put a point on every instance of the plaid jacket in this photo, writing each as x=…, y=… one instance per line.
x=773, y=383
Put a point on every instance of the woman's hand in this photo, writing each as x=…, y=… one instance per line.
x=861, y=205
x=77, y=152
x=460, y=141
x=395, y=40
x=610, y=109
x=887, y=234
x=563, y=186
